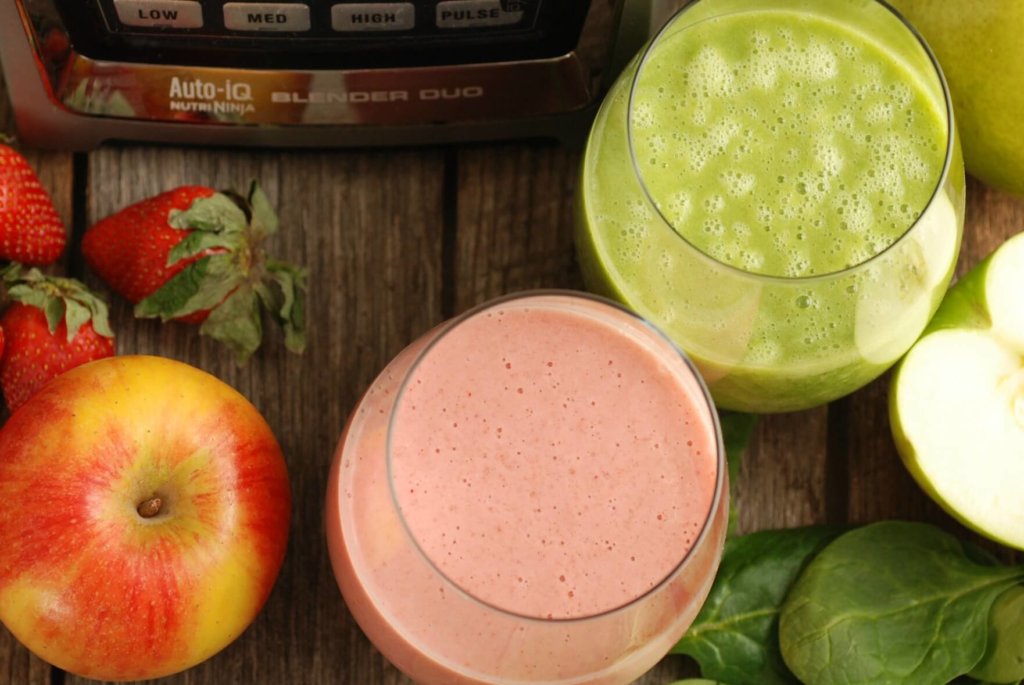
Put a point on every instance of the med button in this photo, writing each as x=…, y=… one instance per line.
x=266, y=16
x=466, y=14
x=373, y=16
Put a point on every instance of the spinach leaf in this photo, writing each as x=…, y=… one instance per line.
x=1004, y=658
x=891, y=602
x=734, y=638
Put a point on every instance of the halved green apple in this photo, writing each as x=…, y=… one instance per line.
x=956, y=403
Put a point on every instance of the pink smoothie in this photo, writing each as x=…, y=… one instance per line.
x=553, y=464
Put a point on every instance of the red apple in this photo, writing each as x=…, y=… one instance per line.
x=144, y=511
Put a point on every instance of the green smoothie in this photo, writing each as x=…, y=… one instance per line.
x=790, y=209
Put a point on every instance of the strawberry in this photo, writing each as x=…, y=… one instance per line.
x=196, y=255
x=52, y=325
x=30, y=228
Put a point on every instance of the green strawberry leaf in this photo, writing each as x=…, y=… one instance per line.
x=76, y=316
x=236, y=323
x=100, y=316
x=11, y=273
x=217, y=213
x=264, y=218
x=54, y=308
x=285, y=297
x=59, y=298
x=197, y=242
x=201, y=285
x=30, y=294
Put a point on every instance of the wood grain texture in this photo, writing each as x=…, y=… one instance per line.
x=17, y=664
x=782, y=481
x=514, y=214
x=394, y=242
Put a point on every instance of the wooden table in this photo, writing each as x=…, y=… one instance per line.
x=395, y=242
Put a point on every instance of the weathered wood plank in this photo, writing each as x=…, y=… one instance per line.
x=782, y=481
x=514, y=221
x=368, y=227
x=54, y=169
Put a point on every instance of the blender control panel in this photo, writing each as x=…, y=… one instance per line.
x=322, y=34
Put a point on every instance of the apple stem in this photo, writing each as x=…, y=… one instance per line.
x=149, y=508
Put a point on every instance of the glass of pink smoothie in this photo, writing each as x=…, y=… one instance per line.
x=533, y=492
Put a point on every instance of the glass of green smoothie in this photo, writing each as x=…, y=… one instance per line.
x=778, y=185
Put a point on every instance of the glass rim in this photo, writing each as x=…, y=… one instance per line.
x=899, y=241
x=539, y=295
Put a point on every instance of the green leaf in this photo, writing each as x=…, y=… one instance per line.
x=59, y=298
x=54, y=309
x=28, y=294
x=264, y=218
x=734, y=638
x=285, y=297
x=1004, y=655
x=215, y=213
x=890, y=603
x=11, y=273
x=201, y=285
x=236, y=323
x=697, y=681
x=100, y=316
x=197, y=242
x=76, y=316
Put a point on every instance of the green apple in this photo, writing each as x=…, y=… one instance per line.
x=956, y=401
x=980, y=46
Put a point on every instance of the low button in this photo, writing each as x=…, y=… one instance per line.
x=373, y=16
x=172, y=14
x=266, y=16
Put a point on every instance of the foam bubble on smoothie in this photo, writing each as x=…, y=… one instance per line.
x=841, y=152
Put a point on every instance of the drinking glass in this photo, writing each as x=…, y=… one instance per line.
x=767, y=342
x=442, y=630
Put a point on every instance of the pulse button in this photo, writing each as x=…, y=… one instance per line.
x=467, y=14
